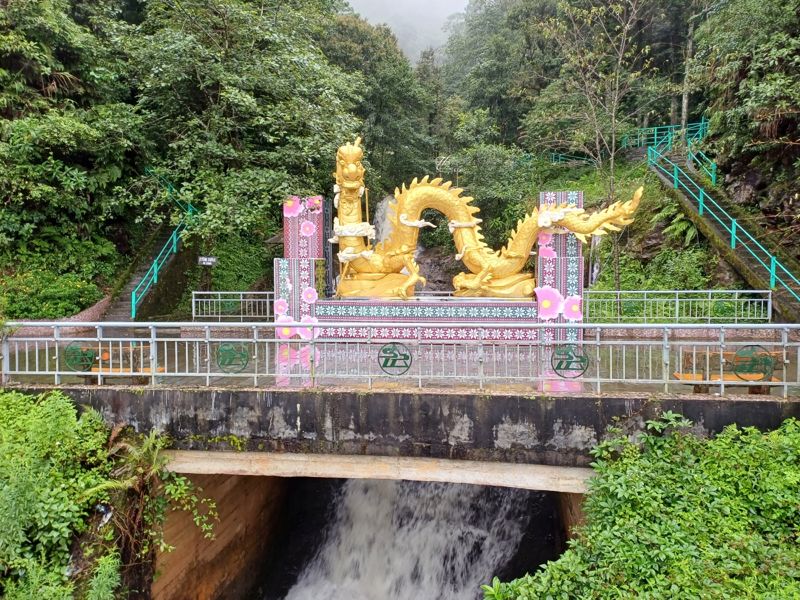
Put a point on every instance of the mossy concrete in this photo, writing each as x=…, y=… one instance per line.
x=507, y=427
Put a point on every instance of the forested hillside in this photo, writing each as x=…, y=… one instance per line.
x=239, y=103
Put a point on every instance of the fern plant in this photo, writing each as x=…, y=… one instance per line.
x=679, y=227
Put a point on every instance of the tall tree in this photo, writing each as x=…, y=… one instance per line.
x=391, y=100
x=242, y=103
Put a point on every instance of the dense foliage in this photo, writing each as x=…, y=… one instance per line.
x=239, y=102
x=61, y=477
x=671, y=515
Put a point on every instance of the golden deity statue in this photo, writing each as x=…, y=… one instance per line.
x=389, y=271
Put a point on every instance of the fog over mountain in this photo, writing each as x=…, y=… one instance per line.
x=417, y=24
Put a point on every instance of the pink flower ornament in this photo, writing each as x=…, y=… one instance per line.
x=307, y=229
x=547, y=252
x=287, y=356
x=572, y=308
x=283, y=331
x=281, y=306
x=549, y=301
x=314, y=204
x=309, y=295
x=307, y=333
x=292, y=206
x=304, y=356
x=544, y=240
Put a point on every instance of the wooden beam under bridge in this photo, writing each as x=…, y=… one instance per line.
x=271, y=464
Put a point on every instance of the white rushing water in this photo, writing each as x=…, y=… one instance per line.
x=380, y=218
x=392, y=540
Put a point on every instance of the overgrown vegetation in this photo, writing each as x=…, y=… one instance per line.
x=672, y=515
x=81, y=508
x=239, y=103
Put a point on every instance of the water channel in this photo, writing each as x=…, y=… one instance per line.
x=401, y=540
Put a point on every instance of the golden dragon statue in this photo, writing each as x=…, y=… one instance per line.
x=388, y=270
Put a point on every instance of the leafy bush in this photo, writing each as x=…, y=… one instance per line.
x=49, y=460
x=670, y=515
x=45, y=295
x=55, y=467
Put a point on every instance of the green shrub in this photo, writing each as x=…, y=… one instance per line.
x=45, y=295
x=671, y=515
x=49, y=459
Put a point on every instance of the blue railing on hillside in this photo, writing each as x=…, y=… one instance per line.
x=738, y=236
x=151, y=276
x=662, y=137
x=171, y=247
x=558, y=158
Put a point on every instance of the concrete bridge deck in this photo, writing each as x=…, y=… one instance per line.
x=498, y=438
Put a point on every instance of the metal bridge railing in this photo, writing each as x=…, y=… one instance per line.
x=635, y=306
x=738, y=237
x=679, y=306
x=232, y=306
x=617, y=357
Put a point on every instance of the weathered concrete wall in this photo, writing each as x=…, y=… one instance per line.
x=570, y=509
x=550, y=430
x=222, y=568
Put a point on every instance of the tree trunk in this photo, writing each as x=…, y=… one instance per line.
x=687, y=66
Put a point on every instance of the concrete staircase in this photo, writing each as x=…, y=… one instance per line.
x=752, y=255
x=120, y=308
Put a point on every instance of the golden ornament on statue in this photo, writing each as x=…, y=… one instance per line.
x=389, y=270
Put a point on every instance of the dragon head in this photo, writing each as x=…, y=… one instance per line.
x=349, y=170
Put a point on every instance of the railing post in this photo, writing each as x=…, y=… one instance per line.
x=480, y=357
x=665, y=360
x=772, y=276
x=194, y=310
x=733, y=233
x=675, y=176
x=714, y=174
x=677, y=307
x=769, y=306
x=57, y=338
x=785, y=369
x=153, y=355
x=133, y=305
x=701, y=202
x=5, y=377
x=175, y=242
x=312, y=365
x=155, y=271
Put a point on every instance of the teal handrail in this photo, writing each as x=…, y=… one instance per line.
x=662, y=137
x=171, y=247
x=560, y=158
x=151, y=276
x=738, y=236
x=698, y=158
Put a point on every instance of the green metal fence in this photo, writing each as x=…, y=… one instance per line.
x=170, y=247
x=738, y=237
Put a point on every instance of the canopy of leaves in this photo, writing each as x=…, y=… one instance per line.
x=390, y=103
x=671, y=515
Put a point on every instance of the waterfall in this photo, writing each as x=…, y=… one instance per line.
x=379, y=218
x=396, y=540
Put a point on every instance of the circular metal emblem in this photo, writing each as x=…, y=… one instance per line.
x=569, y=361
x=79, y=358
x=753, y=363
x=394, y=359
x=232, y=357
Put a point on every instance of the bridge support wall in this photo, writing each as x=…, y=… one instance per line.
x=511, y=428
x=201, y=569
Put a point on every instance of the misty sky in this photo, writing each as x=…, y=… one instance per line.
x=416, y=23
